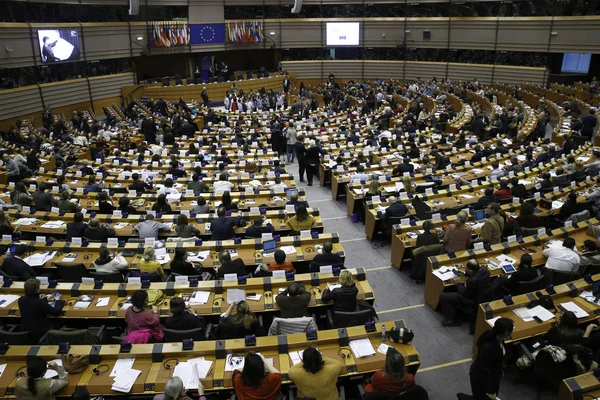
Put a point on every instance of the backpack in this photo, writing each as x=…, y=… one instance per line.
x=155, y=296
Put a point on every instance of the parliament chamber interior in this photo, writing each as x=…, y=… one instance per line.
x=299, y=199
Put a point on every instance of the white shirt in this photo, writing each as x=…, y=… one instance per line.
x=360, y=176
x=497, y=173
x=80, y=140
x=279, y=186
x=223, y=186
x=561, y=258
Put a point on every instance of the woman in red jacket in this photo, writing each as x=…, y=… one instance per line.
x=393, y=377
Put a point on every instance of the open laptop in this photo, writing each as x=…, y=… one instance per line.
x=480, y=216
x=269, y=246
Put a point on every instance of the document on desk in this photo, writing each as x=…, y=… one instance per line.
x=53, y=224
x=234, y=362
x=255, y=297
x=492, y=321
x=188, y=372
x=122, y=364
x=332, y=286
x=362, y=348
x=125, y=380
x=199, y=256
x=2, y=368
x=541, y=313
x=503, y=258
x=296, y=356
x=69, y=258
x=588, y=295
x=383, y=348
x=39, y=259
x=199, y=297
x=50, y=373
x=524, y=314
x=235, y=295
x=7, y=299
x=571, y=306
x=102, y=301
x=288, y=249
x=202, y=366
x=121, y=225
x=444, y=273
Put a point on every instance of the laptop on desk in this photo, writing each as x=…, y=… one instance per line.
x=269, y=247
x=480, y=216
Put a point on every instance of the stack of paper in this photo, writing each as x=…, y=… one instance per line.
x=121, y=225
x=7, y=299
x=53, y=224
x=199, y=297
x=125, y=379
x=492, y=321
x=199, y=256
x=504, y=259
x=362, y=348
x=571, y=306
x=332, y=286
x=296, y=356
x=39, y=259
x=26, y=221
x=288, y=249
x=69, y=258
x=444, y=273
x=235, y=295
x=102, y=301
x=162, y=256
x=383, y=348
x=524, y=314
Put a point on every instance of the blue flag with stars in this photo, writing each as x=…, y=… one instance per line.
x=207, y=33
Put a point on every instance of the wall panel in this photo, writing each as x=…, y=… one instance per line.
x=309, y=33
x=108, y=41
x=519, y=75
x=438, y=28
x=387, y=32
x=414, y=70
x=21, y=101
x=109, y=85
x=524, y=34
x=575, y=35
x=468, y=72
x=15, y=37
x=473, y=33
x=59, y=94
x=374, y=69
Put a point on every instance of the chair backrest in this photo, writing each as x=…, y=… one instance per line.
x=529, y=286
x=4, y=274
x=506, y=201
x=15, y=338
x=107, y=277
x=580, y=216
x=174, y=274
x=422, y=210
x=415, y=392
x=73, y=337
x=529, y=231
x=172, y=335
x=288, y=326
x=70, y=272
x=342, y=319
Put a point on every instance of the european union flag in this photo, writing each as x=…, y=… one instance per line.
x=207, y=33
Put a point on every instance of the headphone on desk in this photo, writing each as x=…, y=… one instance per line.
x=345, y=352
x=21, y=371
x=87, y=256
x=268, y=293
x=168, y=365
x=314, y=290
x=98, y=371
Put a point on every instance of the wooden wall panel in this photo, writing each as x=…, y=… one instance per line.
x=59, y=94
x=424, y=70
x=109, y=85
x=468, y=72
x=19, y=101
x=523, y=34
x=306, y=33
x=473, y=33
x=16, y=37
x=438, y=28
x=108, y=41
x=575, y=35
x=342, y=69
x=387, y=32
x=374, y=69
x=519, y=75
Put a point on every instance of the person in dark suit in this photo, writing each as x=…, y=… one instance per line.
x=15, y=265
x=286, y=84
x=300, y=151
x=486, y=370
x=180, y=319
x=149, y=130
x=395, y=209
x=454, y=305
x=223, y=228
x=162, y=106
x=293, y=201
x=588, y=123
x=257, y=229
x=229, y=266
x=77, y=227
x=560, y=180
x=327, y=257
x=293, y=302
x=48, y=51
x=546, y=181
x=34, y=311
x=139, y=186
x=406, y=166
x=487, y=198
x=44, y=201
x=523, y=274
x=98, y=233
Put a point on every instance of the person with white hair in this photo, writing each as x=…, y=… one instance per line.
x=175, y=390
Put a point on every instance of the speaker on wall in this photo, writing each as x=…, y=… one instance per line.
x=134, y=7
x=426, y=34
x=297, y=6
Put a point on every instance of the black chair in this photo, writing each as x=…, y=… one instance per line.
x=248, y=75
x=70, y=272
x=172, y=335
x=508, y=200
x=422, y=210
x=341, y=319
x=10, y=334
x=530, y=286
x=109, y=277
x=174, y=274
x=11, y=277
x=90, y=336
x=418, y=270
x=415, y=392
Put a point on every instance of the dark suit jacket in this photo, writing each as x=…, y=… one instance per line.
x=398, y=209
x=222, y=229
x=473, y=289
x=100, y=234
x=183, y=322
x=139, y=186
x=486, y=370
x=34, y=313
x=257, y=231
x=293, y=306
x=14, y=266
x=236, y=266
x=75, y=229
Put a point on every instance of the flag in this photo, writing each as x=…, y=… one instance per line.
x=207, y=33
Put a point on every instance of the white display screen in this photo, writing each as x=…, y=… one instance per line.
x=58, y=45
x=342, y=33
x=578, y=63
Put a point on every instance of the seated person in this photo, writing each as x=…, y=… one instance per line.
x=562, y=257
x=524, y=273
x=34, y=311
x=458, y=236
x=504, y=192
x=278, y=185
x=301, y=221
x=395, y=209
x=14, y=265
x=43, y=200
x=181, y=266
x=258, y=380
x=456, y=305
x=560, y=180
x=104, y=204
x=429, y=235
x=257, y=229
x=392, y=378
x=201, y=207
x=139, y=186
x=92, y=186
x=34, y=385
x=6, y=225
x=124, y=206
x=175, y=390
x=161, y=206
x=487, y=198
x=295, y=202
x=546, y=182
x=228, y=203
x=97, y=233
x=293, y=302
x=518, y=189
x=180, y=318
x=184, y=229
x=571, y=206
x=197, y=185
x=491, y=231
x=316, y=376
x=567, y=331
x=223, y=228
x=145, y=323
x=77, y=227
x=527, y=218
x=149, y=228
x=229, y=266
x=108, y=264
x=66, y=205
x=238, y=322
x=326, y=257
x=281, y=263
x=148, y=265
x=344, y=297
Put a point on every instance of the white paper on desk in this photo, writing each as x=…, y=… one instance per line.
x=7, y=299
x=163, y=259
x=50, y=373
x=296, y=356
x=383, y=348
x=234, y=362
x=122, y=365
x=203, y=367
x=188, y=373
x=255, y=297
x=121, y=225
x=102, y=301
x=199, y=256
x=2, y=368
x=541, y=313
x=81, y=304
x=332, y=286
x=503, y=258
x=362, y=348
x=444, y=276
x=53, y=224
x=571, y=306
x=288, y=249
x=69, y=258
x=199, y=297
x=125, y=380
x=492, y=321
x=524, y=314
x=235, y=295
x=556, y=204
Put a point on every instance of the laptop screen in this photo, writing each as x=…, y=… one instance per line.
x=289, y=192
x=269, y=245
x=479, y=215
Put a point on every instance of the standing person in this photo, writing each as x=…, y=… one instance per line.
x=486, y=370
x=588, y=123
x=204, y=95
x=290, y=135
x=312, y=158
x=34, y=386
x=316, y=376
x=300, y=151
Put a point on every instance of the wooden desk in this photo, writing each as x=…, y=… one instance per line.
x=150, y=359
x=579, y=387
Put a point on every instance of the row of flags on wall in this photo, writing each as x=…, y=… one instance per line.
x=235, y=32
x=168, y=35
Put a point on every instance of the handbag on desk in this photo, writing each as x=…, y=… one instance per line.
x=75, y=363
